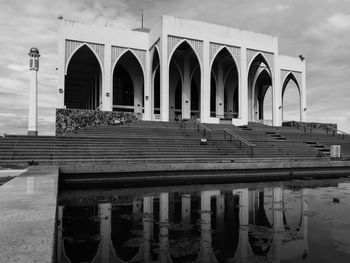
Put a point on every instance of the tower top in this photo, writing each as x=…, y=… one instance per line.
x=33, y=52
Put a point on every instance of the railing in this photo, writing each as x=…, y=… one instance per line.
x=336, y=131
x=304, y=127
x=200, y=126
x=240, y=139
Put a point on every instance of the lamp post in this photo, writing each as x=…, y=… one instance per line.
x=33, y=93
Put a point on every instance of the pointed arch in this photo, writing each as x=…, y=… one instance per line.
x=83, y=80
x=185, y=62
x=227, y=81
x=76, y=50
x=264, y=59
x=128, y=82
x=255, y=98
x=126, y=51
x=170, y=56
x=230, y=53
x=155, y=52
x=290, y=76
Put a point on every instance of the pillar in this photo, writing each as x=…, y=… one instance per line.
x=186, y=89
x=164, y=80
x=243, y=107
x=242, y=250
x=107, y=81
x=163, y=227
x=205, y=84
x=147, y=228
x=303, y=94
x=33, y=92
x=276, y=94
x=277, y=223
x=205, y=252
x=186, y=208
x=147, y=99
x=61, y=66
x=220, y=212
x=105, y=231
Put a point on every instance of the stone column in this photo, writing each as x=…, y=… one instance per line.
x=303, y=107
x=163, y=227
x=107, y=82
x=147, y=228
x=164, y=79
x=186, y=208
x=205, y=84
x=243, y=244
x=243, y=108
x=33, y=92
x=277, y=223
x=61, y=66
x=147, y=99
x=276, y=93
x=105, y=230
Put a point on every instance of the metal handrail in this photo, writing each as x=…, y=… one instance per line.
x=201, y=126
x=335, y=131
x=241, y=140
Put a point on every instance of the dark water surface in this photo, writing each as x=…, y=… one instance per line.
x=295, y=221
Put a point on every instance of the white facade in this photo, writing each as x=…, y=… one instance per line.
x=182, y=54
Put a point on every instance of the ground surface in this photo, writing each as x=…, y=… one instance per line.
x=5, y=179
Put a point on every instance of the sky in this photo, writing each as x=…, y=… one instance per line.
x=317, y=29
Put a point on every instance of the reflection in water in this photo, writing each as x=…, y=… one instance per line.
x=240, y=225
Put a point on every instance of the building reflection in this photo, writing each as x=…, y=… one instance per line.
x=206, y=226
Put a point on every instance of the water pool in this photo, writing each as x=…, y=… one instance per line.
x=291, y=221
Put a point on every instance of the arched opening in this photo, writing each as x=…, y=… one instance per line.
x=260, y=244
x=195, y=94
x=263, y=93
x=226, y=86
x=83, y=81
x=184, y=68
x=128, y=83
x=260, y=91
x=291, y=99
x=175, y=92
x=81, y=233
x=156, y=84
x=225, y=225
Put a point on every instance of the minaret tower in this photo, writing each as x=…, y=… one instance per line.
x=33, y=93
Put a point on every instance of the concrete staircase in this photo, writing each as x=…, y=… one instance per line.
x=167, y=142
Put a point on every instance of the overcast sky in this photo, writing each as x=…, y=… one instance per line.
x=318, y=29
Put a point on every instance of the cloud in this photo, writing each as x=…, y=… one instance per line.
x=340, y=21
x=303, y=27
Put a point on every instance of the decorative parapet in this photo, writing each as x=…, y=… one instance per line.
x=251, y=54
x=117, y=52
x=296, y=74
x=313, y=125
x=70, y=120
x=71, y=46
x=234, y=51
x=197, y=45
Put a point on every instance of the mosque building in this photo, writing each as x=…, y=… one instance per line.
x=178, y=69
